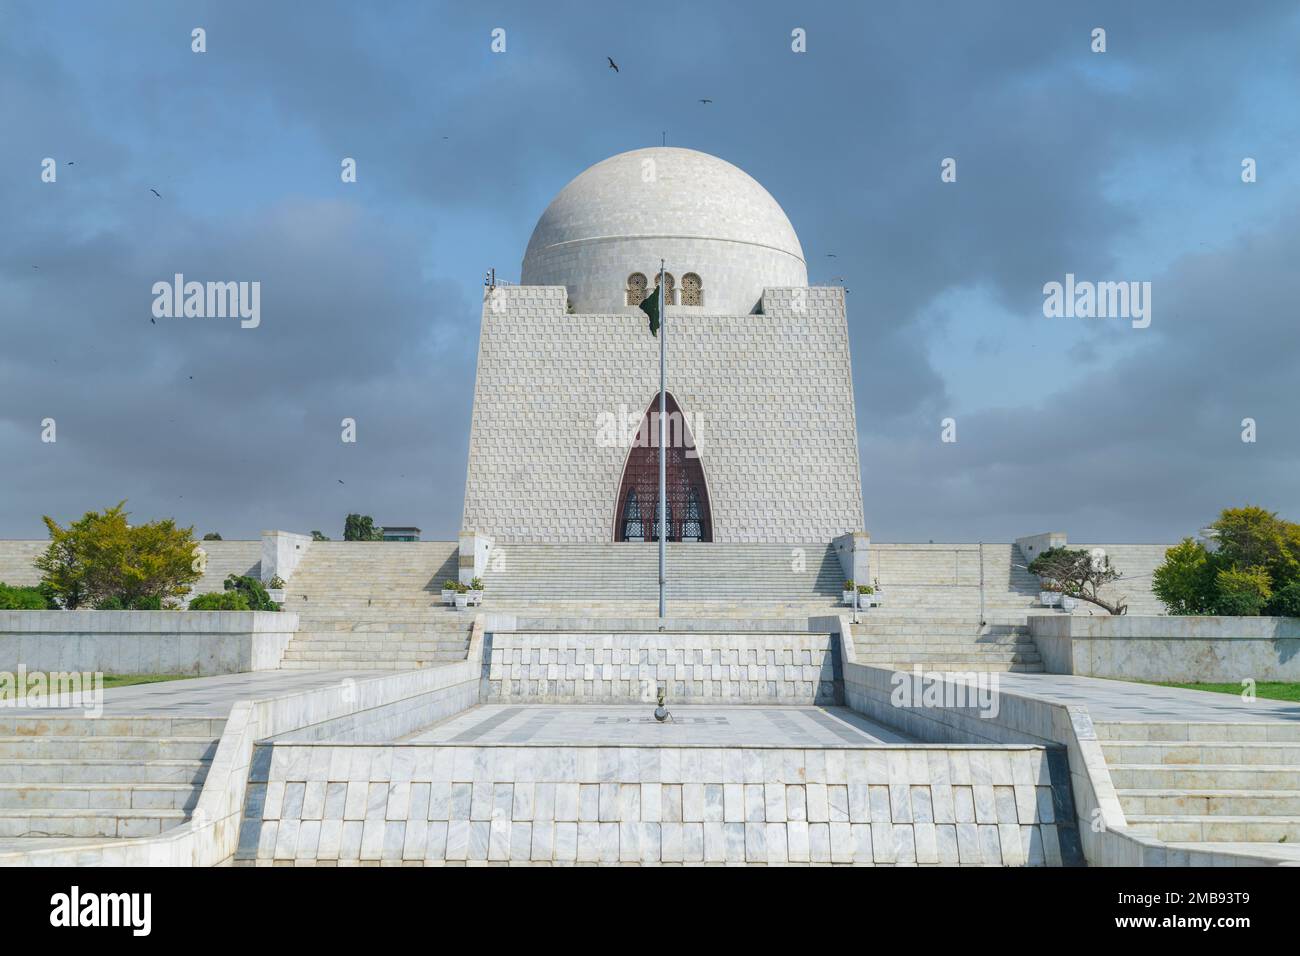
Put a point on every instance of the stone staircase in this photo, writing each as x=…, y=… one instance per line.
x=948, y=644
x=101, y=778
x=364, y=604
x=738, y=574
x=1207, y=783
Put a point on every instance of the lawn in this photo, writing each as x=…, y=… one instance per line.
x=126, y=680
x=1268, y=690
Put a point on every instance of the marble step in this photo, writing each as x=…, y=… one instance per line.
x=98, y=797
x=51, y=725
x=1250, y=753
x=1205, y=777
x=107, y=747
x=122, y=824
x=1196, y=731
x=43, y=770
x=1237, y=803
x=1216, y=829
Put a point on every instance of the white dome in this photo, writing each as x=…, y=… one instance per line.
x=702, y=215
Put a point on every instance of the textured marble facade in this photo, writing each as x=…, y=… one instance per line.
x=556, y=805
x=691, y=668
x=769, y=399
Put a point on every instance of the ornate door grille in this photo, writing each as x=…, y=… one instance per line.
x=689, y=517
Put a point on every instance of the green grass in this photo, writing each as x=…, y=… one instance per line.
x=127, y=680
x=1268, y=690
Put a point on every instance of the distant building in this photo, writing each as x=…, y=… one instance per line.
x=396, y=533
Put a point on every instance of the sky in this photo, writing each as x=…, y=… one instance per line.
x=1117, y=166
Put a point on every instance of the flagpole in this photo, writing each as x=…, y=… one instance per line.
x=663, y=461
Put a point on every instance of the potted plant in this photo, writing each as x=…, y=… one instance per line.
x=462, y=597
x=476, y=591
x=275, y=589
x=1068, y=604
x=849, y=591
x=449, y=592
x=864, y=595
x=1049, y=594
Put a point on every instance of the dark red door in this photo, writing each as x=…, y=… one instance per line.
x=689, y=517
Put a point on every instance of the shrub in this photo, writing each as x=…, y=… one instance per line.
x=849, y=586
x=450, y=585
x=1185, y=582
x=1242, y=592
x=255, y=595
x=317, y=536
x=151, y=602
x=276, y=583
x=102, y=557
x=866, y=589
x=1286, y=601
x=22, y=599
x=220, y=601
x=1253, y=568
x=1078, y=573
x=111, y=603
x=361, y=528
x=212, y=536
x=476, y=584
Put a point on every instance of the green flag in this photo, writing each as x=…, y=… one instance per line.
x=650, y=306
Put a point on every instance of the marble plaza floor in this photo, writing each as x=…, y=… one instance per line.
x=1109, y=700
x=202, y=696
x=691, y=725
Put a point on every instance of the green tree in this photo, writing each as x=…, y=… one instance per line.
x=1251, y=567
x=1242, y=592
x=361, y=528
x=102, y=557
x=317, y=536
x=1252, y=537
x=1079, y=574
x=1185, y=582
x=212, y=536
x=254, y=593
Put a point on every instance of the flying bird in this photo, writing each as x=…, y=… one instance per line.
x=152, y=320
x=71, y=163
x=155, y=192
x=706, y=101
x=831, y=255
x=612, y=65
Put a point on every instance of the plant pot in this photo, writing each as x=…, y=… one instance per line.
x=1050, y=598
x=476, y=597
x=1069, y=603
x=864, y=601
x=449, y=598
x=462, y=601
x=848, y=598
x=276, y=594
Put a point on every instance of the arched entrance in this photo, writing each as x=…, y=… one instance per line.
x=689, y=517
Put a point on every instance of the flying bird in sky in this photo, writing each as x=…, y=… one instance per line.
x=155, y=192
x=706, y=101
x=612, y=65
x=831, y=255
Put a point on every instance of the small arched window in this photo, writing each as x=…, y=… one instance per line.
x=670, y=288
x=692, y=290
x=636, y=288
